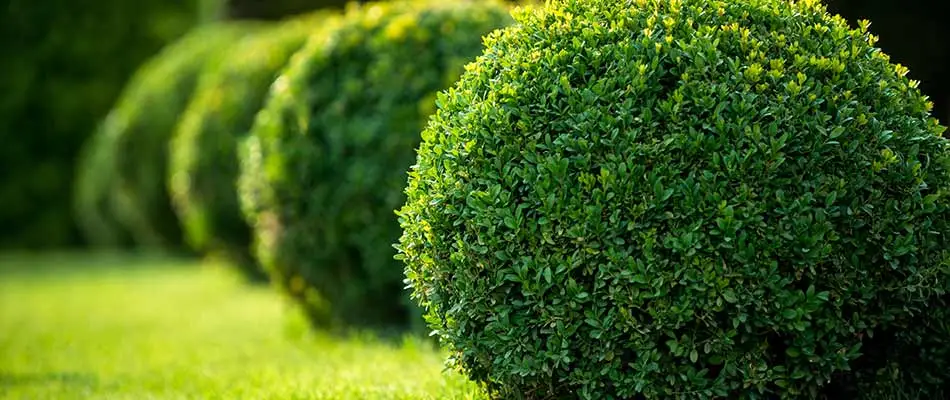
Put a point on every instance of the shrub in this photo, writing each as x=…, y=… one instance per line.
x=137, y=133
x=95, y=177
x=684, y=199
x=64, y=63
x=203, y=166
x=276, y=9
x=322, y=171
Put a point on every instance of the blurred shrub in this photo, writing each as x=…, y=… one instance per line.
x=64, y=62
x=275, y=9
x=123, y=178
x=203, y=165
x=725, y=199
x=325, y=166
x=95, y=178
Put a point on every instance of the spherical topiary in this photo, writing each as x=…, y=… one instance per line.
x=323, y=169
x=141, y=126
x=203, y=166
x=684, y=199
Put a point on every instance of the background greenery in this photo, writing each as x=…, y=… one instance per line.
x=64, y=65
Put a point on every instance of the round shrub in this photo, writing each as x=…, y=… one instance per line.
x=323, y=170
x=203, y=166
x=139, y=130
x=684, y=199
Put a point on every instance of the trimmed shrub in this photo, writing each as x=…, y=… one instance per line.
x=684, y=199
x=203, y=166
x=322, y=172
x=95, y=178
x=136, y=134
x=63, y=65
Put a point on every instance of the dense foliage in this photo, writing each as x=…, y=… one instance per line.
x=122, y=178
x=323, y=170
x=685, y=199
x=64, y=63
x=203, y=165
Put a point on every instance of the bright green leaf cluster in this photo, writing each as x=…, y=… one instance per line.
x=121, y=181
x=324, y=167
x=203, y=165
x=673, y=199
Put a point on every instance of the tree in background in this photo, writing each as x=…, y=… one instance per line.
x=64, y=64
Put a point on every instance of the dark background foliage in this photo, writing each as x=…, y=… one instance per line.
x=63, y=65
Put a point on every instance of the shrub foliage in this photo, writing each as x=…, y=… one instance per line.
x=685, y=199
x=323, y=170
x=123, y=178
x=203, y=165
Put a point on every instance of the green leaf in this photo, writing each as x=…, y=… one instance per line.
x=836, y=132
x=673, y=345
x=729, y=296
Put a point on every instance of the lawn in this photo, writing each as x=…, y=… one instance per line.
x=86, y=327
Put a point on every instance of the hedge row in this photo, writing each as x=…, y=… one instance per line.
x=163, y=166
x=203, y=164
x=323, y=170
x=639, y=199
x=121, y=179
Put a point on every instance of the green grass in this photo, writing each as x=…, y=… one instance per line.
x=82, y=327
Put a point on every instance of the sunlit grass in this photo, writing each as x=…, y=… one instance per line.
x=72, y=328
